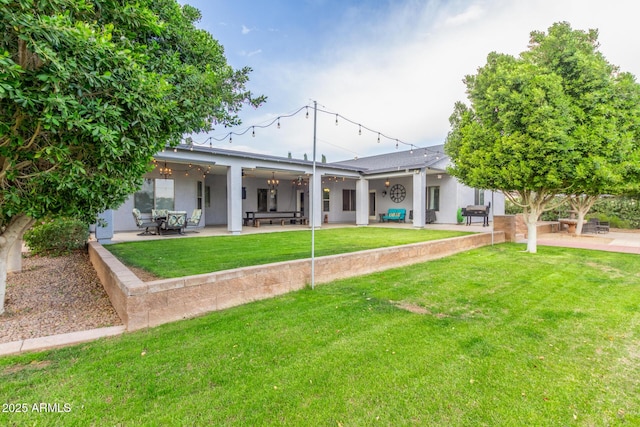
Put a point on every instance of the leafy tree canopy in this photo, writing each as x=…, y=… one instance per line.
x=558, y=119
x=91, y=90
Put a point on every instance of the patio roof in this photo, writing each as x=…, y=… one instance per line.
x=417, y=158
x=432, y=158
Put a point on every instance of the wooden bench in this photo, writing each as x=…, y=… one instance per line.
x=394, y=215
x=284, y=217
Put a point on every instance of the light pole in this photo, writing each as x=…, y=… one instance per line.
x=312, y=202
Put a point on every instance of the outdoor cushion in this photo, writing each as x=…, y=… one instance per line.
x=176, y=219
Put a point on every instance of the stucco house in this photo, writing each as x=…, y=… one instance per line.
x=225, y=184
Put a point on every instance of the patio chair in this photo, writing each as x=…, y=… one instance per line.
x=158, y=213
x=194, y=220
x=602, y=227
x=590, y=226
x=141, y=223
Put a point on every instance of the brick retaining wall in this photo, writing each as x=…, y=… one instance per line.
x=514, y=225
x=145, y=304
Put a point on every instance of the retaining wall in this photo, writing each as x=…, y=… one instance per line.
x=514, y=225
x=146, y=304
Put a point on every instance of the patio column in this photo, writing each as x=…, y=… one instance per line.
x=362, y=202
x=234, y=199
x=316, y=199
x=419, y=198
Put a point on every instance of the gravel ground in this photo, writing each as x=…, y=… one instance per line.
x=54, y=296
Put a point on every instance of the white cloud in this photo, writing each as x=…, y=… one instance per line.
x=473, y=13
x=403, y=77
x=252, y=53
x=246, y=30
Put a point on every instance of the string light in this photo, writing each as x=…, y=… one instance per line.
x=276, y=121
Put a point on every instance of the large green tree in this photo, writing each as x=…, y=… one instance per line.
x=612, y=165
x=549, y=122
x=89, y=92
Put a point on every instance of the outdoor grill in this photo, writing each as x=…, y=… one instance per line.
x=477, y=211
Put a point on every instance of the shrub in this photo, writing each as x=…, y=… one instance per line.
x=614, y=221
x=56, y=237
x=623, y=211
x=510, y=208
x=459, y=216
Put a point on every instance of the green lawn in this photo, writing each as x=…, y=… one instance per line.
x=497, y=337
x=183, y=257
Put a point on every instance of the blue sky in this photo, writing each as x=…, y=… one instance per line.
x=393, y=66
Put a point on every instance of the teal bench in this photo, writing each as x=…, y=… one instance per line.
x=394, y=215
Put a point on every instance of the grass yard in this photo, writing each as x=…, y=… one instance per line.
x=168, y=258
x=494, y=336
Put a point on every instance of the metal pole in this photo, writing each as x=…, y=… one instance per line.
x=313, y=198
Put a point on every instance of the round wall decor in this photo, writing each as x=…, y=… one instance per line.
x=398, y=193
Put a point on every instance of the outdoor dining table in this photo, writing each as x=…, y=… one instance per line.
x=570, y=222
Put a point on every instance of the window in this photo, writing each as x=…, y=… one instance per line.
x=165, y=196
x=263, y=194
x=325, y=200
x=199, y=195
x=143, y=198
x=478, y=197
x=348, y=200
x=155, y=194
x=433, y=198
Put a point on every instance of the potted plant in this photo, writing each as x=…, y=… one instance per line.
x=459, y=216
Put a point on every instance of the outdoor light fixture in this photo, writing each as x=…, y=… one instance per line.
x=439, y=176
x=387, y=183
x=384, y=193
x=273, y=182
x=165, y=171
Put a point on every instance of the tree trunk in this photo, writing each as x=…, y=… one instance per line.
x=11, y=237
x=14, y=258
x=533, y=204
x=531, y=219
x=582, y=205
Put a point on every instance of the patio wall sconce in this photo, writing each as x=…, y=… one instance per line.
x=384, y=193
x=387, y=183
x=439, y=176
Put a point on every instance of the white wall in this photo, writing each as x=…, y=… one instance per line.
x=216, y=212
x=449, y=198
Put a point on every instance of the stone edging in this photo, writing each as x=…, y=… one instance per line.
x=145, y=304
x=60, y=340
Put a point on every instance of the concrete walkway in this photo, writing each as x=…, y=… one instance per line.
x=614, y=241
